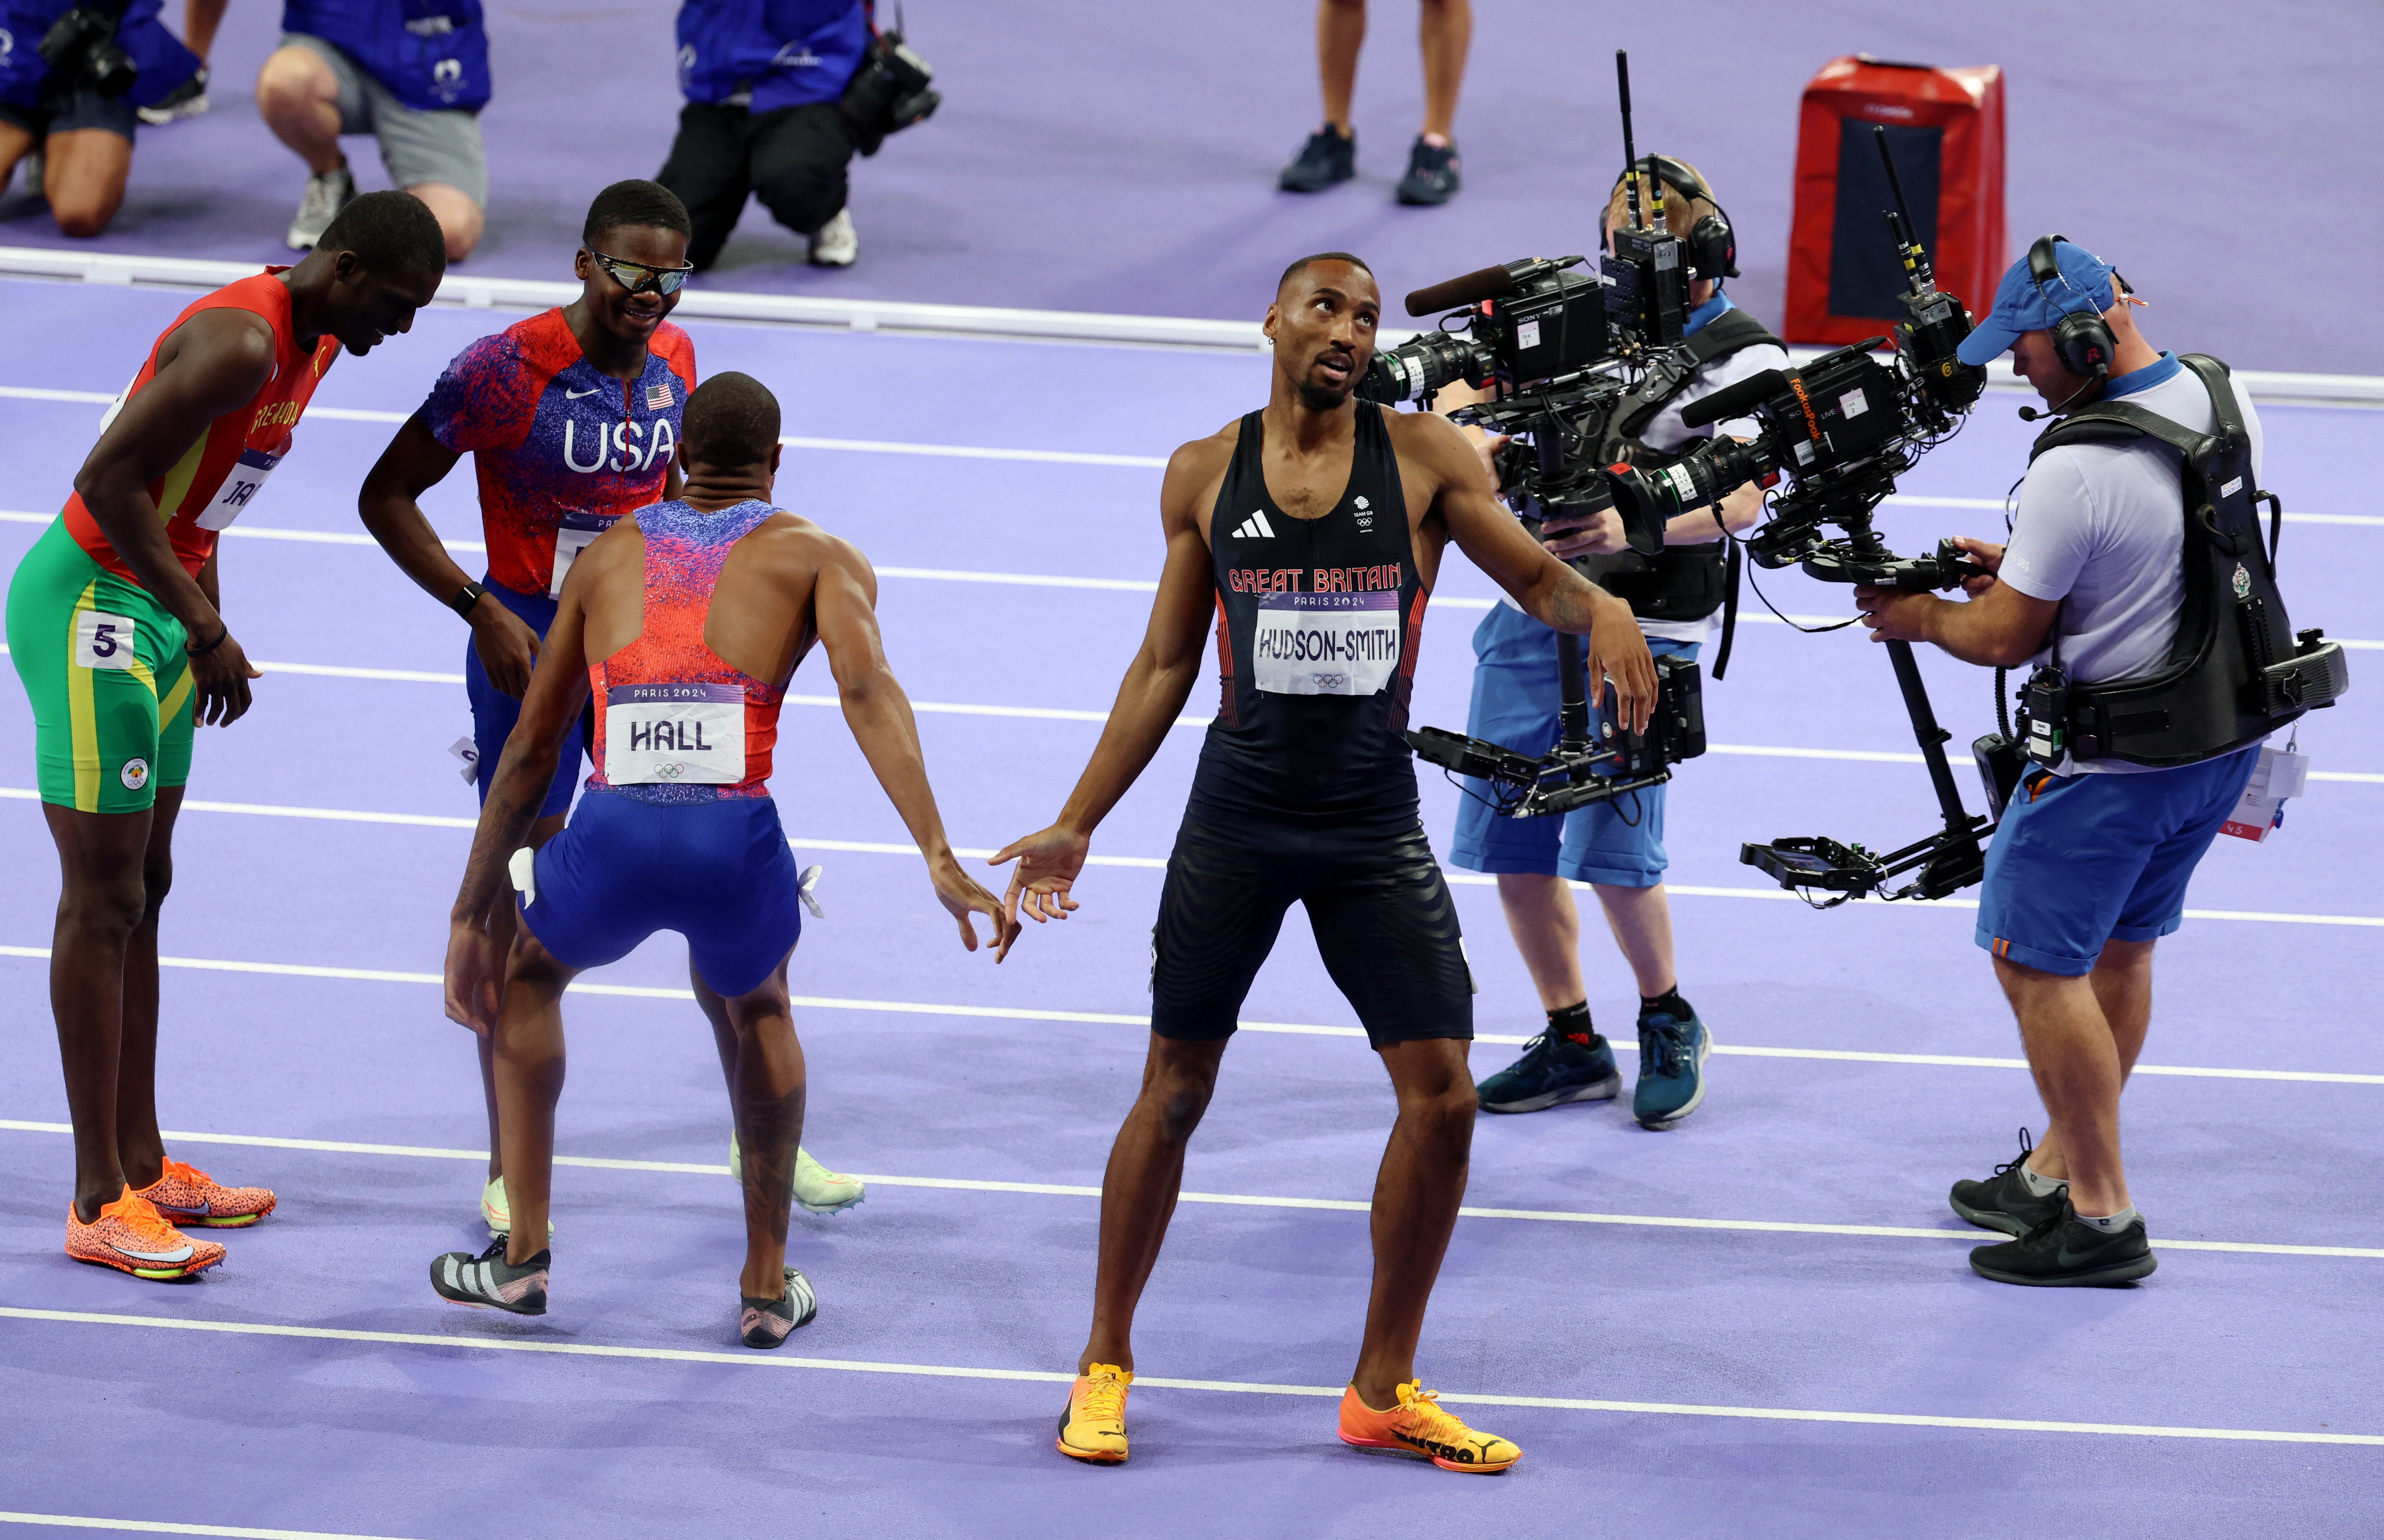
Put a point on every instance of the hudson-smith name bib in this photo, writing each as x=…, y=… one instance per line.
x=1325, y=643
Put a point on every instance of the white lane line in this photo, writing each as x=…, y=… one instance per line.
x=1305, y=1029
x=160, y=1526
x=1342, y=1205
x=1472, y=879
x=1044, y=1376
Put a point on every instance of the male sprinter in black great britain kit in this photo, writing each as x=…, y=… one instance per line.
x=1313, y=530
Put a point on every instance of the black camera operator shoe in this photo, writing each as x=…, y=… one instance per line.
x=2004, y=1202
x=2065, y=1251
x=1325, y=159
x=1431, y=177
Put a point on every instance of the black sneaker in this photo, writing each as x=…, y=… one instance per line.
x=488, y=1281
x=1553, y=1070
x=1431, y=177
x=2004, y=1201
x=1325, y=159
x=2065, y=1252
x=768, y=1322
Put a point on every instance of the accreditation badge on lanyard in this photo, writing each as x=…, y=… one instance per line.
x=240, y=488
x=571, y=537
x=688, y=734
x=1326, y=644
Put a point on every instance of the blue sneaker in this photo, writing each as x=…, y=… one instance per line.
x=1671, y=1068
x=1553, y=1070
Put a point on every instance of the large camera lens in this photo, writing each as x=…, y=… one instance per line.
x=1425, y=363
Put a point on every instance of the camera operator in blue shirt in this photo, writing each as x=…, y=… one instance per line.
x=764, y=81
x=73, y=73
x=2090, y=863
x=1616, y=847
x=411, y=73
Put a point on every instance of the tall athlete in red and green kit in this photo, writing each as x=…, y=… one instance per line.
x=572, y=418
x=114, y=627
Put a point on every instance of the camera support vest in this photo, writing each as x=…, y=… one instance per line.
x=2235, y=672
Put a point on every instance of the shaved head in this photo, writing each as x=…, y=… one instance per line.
x=731, y=422
x=1307, y=262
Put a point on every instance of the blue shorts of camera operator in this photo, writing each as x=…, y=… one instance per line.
x=2082, y=860
x=1516, y=694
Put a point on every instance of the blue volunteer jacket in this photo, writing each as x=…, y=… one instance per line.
x=433, y=54
x=788, y=53
x=163, y=61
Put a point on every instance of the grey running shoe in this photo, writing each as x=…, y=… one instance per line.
x=490, y=1282
x=1325, y=159
x=2004, y=1201
x=1671, y=1068
x=768, y=1322
x=1431, y=178
x=326, y=194
x=2064, y=1251
x=835, y=244
x=187, y=100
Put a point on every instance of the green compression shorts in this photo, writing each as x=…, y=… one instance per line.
x=108, y=677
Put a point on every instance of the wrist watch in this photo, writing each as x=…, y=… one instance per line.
x=466, y=597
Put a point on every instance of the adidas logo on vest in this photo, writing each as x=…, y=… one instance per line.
x=1256, y=527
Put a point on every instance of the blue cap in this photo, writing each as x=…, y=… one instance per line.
x=2020, y=306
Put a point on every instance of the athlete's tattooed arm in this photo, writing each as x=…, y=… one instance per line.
x=551, y=708
x=210, y=365
x=1550, y=591
x=844, y=609
x=412, y=463
x=1157, y=684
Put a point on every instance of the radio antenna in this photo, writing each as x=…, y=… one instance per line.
x=1899, y=222
x=1629, y=152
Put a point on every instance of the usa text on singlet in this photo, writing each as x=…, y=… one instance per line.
x=674, y=722
x=1317, y=626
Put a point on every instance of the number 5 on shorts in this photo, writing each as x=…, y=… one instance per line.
x=104, y=640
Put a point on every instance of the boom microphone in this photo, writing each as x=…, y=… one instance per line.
x=1489, y=283
x=1733, y=401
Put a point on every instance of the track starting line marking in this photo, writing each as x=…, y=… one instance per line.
x=1247, y=1200
x=1044, y=1376
x=1116, y=1018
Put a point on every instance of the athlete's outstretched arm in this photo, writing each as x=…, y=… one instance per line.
x=211, y=365
x=1550, y=591
x=1150, y=700
x=844, y=608
x=412, y=463
x=551, y=709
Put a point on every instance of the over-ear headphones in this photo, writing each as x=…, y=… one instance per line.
x=2082, y=339
x=1712, y=243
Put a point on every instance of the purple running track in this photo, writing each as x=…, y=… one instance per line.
x=984, y=1125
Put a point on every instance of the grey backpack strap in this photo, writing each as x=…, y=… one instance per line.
x=1727, y=333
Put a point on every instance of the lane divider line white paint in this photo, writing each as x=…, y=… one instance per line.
x=1341, y=1205
x=159, y=1526
x=1120, y=1018
x=1044, y=1376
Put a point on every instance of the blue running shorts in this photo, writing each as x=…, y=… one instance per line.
x=494, y=712
x=2082, y=860
x=718, y=873
x=1619, y=843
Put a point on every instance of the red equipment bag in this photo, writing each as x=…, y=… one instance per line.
x=1945, y=129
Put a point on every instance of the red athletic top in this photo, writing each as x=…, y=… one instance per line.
x=194, y=498
x=666, y=702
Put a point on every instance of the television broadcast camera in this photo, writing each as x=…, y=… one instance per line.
x=1563, y=345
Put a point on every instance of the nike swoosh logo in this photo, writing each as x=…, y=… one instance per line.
x=179, y=1254
x=178, y=1208
x=570, y=395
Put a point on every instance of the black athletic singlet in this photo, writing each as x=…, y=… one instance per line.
x=1318, y=621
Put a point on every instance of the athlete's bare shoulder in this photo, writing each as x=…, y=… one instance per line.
x=1194, y=472
x=795, y=551
x=224, y=344
x=1428, y=442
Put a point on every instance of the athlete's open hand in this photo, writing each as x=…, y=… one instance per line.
x=1618, y=651
x=964, y=897
x=508, y=648
x=1047, y=864
x=219, y=682
x=474, y=970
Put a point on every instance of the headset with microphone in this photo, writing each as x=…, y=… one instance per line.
x=1712, y=243
x=2082, y=339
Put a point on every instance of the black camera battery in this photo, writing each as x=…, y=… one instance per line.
x=2046, y=706
x=1648, y=286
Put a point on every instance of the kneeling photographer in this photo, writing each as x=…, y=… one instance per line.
x=73, y=75
x=1616, y=846
x=2137, y=580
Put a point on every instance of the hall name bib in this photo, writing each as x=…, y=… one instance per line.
x=240, y=488
x=572, y=537
x=1325, y=643
x=688, y=734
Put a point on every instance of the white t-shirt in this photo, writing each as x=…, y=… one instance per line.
x=2101, y=529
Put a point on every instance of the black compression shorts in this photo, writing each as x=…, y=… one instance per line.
x=1382, y=912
